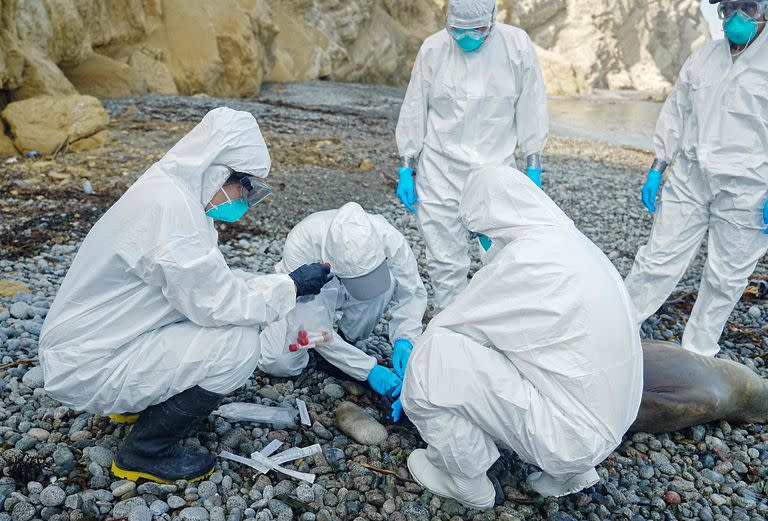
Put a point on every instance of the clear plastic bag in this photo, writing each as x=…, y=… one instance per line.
x=310, y=322
x=256, y=413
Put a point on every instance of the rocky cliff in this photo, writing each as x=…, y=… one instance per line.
x=613, y=44
x=372, y=41
x=109, y=48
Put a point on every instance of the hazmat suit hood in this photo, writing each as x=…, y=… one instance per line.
x=223, y=141
x=471, y=13
x=353, y=246
x=501, y=203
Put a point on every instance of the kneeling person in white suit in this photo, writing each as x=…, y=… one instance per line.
x=540, y=353
x=150, y=318
x=375, y=265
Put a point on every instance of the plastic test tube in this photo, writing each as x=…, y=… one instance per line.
x=308, y=337
x=295, y=347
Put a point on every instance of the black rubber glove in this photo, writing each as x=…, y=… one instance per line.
x=310, y=278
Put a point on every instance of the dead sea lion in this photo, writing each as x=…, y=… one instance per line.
x=682, y=389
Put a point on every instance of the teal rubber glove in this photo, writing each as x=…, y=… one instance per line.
x=385, y=382
x=650, y=188
x=534, y=174
x=397, y=410
x=400, y=355
x=406, y=189
x=765, y=217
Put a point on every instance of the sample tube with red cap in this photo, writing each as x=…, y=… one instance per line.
x=309, y=339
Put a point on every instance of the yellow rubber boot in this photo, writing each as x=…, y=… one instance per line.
x=152, y=449
x=127, y=419
x=134, y=475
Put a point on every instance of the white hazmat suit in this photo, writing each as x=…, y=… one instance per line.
x=715, y=126
x=149, y=307
x=540, y=353
x=461, y=110
x=354, y=243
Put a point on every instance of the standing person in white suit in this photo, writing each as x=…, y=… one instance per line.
x=540, y=353
x=476, y=93
x=150, y=318
x=376, y=268
x=714, y=127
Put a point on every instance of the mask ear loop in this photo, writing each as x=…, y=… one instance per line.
x=225, y=195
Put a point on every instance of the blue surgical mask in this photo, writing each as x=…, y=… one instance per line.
x=230, y=211
x=468, y=39
x=740, y=28
x=485, y=242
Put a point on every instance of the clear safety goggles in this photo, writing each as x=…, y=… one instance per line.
x=753, y=9
x=476, y=33
x=252, y=189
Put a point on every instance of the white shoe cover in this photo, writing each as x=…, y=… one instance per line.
x=476, y=493
x=547, y=485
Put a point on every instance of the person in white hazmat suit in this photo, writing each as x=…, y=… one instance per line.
x=540, y=353
x=476, y=93
x=714, y=127
x=150, y=318
x=376, y=267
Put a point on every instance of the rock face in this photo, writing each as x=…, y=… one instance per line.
x=372, y=41
x=561, y=77
x=103, y=77
x=112, y=49
x=228, y=47
x=46, y=123
x=6, y=150
x=611, y=44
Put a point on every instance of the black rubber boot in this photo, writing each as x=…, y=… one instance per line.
x=152, y=450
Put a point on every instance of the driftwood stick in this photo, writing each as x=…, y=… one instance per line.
x=18, y=362
x=384, y=471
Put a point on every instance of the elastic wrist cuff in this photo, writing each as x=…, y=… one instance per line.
x=408, y=162
x=534, y=161
x=659, y=165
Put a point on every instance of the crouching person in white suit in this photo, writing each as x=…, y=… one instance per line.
x=376, y=267
x=539, y=354
x=150, y=318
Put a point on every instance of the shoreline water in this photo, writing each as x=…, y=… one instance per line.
x=629, y=122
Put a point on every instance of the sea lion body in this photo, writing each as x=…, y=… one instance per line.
x=682, y=389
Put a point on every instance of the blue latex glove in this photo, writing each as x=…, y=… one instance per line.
x=406, y=190
x=385, y=382
x=310, y=278
x=400, y=355
x=534, y=174
x=650, y=188
x=397, y=410
x=765, y=217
